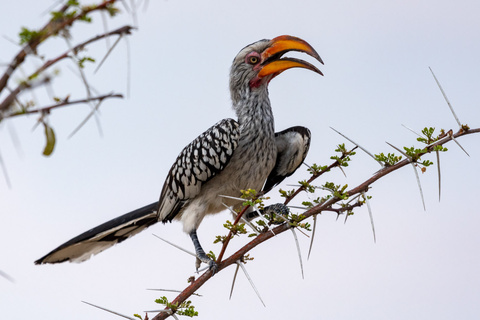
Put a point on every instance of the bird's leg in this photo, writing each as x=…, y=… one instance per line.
x=201, y=255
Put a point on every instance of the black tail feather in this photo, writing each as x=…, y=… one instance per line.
x=95, y=240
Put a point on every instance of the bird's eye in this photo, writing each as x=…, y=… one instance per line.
x=253, y=60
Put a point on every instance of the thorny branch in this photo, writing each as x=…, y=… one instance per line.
x=53, y=27
x=59, y=24
x=319, y=208
x=64, y=104
x=6, y=103
x=316, y=175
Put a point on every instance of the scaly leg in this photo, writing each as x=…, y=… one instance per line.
x=201, y=255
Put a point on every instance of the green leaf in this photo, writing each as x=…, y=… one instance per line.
x=50, y=136
x=27, y=35
x=138, y=316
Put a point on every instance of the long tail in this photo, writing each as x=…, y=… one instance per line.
x=104, y=236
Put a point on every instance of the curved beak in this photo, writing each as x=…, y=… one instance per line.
x=272, y=62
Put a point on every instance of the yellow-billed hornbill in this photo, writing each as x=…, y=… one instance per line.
x=228, y=157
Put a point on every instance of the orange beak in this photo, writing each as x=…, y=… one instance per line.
x=273, y=64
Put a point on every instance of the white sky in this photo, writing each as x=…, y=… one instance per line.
x=424, y=264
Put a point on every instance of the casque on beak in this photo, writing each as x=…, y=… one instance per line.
x=274, y=64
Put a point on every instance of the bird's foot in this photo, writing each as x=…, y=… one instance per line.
x=276, y=213
x=202, y=257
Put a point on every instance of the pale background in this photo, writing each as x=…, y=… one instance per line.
x=425, y=265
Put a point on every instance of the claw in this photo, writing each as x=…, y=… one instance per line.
x=212, y=265
x=202, y=257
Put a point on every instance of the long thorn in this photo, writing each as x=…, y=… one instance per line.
x=264, y=219
x=251, y=282
x=105, y=309
x=358, y=195
x=439, y=176
x=5, y=172
x=129, y=67
x=364, y=150
x=242, y=218
x=371, y=216
x=108, y=53
x=341, y=169
x=230, y=197
x=446, y=99
x=93, y=112
x=298, y=207
x=233, y=282
x=419, y=185
x=6, y=276
x=458, y=143
x=313, y=235
x=170, y=312
x=298, y=250
x=402, y=152
x=259, y=214
x=309, y=167
x=176, y=246
x=411, y=130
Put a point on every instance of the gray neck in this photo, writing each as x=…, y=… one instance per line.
x=254, y=111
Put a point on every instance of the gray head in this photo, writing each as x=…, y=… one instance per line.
x=258, y=63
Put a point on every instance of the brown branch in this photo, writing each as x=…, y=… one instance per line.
x=65, y=103
x=53, y=27
x=383, y=172
x=325, y=206
x=230, y=234
x=13, y=94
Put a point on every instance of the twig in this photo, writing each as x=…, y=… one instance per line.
x=5, y=104
x=230, y=233
x=64, y=104
x=53, y=27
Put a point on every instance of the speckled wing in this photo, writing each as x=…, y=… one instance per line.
x=201, y=160
x=292, y=148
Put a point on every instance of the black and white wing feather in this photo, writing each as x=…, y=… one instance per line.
x=198, y=162
x=201, y=160
x=292, y=148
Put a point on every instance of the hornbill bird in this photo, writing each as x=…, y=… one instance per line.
x=229, y=157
